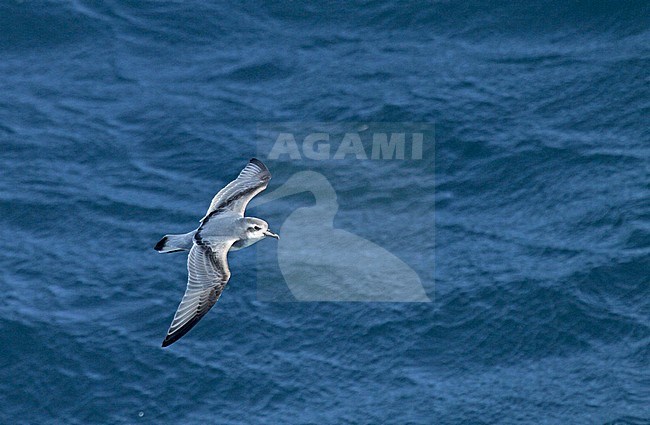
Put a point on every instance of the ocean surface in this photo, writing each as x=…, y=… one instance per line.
x=527, y=218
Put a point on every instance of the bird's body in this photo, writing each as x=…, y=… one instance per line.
x=224, y=228
x=229, y=224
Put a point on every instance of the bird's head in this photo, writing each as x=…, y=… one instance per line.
x=256, y=228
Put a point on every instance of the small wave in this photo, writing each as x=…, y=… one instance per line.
x=29, y=24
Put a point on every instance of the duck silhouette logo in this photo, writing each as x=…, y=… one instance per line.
x=322, y=263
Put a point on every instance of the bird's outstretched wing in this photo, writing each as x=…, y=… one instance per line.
x=208, y=274
x=237, y=194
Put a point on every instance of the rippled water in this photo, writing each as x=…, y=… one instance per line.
x=119, y=120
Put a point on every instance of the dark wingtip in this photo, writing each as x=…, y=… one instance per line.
x=266, y=174
x=161, y=244
x=170, y=339
x=258, y=163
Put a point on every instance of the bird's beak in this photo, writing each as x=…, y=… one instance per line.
x=271, y=234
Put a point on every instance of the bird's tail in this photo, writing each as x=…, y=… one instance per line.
x=175, y=243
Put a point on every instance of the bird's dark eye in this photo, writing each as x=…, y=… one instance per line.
x=255, y=228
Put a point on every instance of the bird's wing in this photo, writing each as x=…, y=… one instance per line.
x=237, y=194
x=208, y=273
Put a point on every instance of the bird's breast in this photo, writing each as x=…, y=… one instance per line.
x=243, y=243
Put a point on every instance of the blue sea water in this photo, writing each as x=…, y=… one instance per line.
x=529, y=223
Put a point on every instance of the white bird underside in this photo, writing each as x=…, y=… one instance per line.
x=207, y=264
